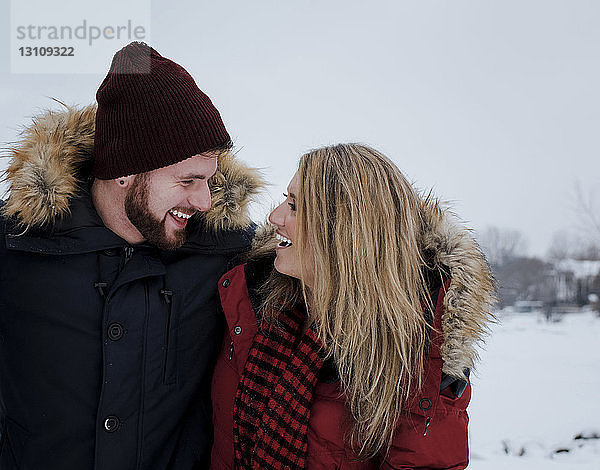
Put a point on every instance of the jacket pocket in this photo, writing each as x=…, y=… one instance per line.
x=171, y=336
x=14, y=440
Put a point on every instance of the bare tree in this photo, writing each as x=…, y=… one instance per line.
x=588, y=212
x=561, y=246
x=523, y=278
x=501, y=245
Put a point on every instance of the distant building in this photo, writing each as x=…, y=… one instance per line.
x=575, y=280
x=561, y=286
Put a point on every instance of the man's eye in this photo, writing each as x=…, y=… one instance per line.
x=186, y=182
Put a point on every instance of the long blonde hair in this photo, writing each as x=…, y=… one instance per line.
x=360, y=220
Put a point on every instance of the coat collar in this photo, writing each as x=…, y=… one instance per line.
x=84, y=232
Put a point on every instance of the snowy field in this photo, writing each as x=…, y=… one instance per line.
x=536, y=395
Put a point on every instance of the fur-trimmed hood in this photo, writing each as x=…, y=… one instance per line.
x=52, y=161
x=472, y=292
x=470, y=297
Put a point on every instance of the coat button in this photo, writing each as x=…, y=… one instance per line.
x=111, y=423
x=237, y=330
x=115, y=331
x=226, y=283
x=425, y=404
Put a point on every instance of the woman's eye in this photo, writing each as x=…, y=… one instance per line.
x=186, y=182
x=291, y=204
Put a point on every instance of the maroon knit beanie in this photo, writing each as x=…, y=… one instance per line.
x=151, y=114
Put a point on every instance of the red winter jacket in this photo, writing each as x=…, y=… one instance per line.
x=431, y=433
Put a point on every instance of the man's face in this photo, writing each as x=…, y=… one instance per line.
x=160, y=202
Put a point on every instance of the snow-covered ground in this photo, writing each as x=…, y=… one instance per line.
x=536, y=395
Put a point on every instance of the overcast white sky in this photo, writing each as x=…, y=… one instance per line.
x=494, y=104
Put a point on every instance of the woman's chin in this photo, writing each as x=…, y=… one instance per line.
x=281, y=268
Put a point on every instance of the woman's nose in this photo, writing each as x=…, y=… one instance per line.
x=277, y=217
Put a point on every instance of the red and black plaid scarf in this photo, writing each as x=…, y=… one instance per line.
x=272, y=404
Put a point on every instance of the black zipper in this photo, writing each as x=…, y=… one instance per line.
x=169, y=375
x=128, y=253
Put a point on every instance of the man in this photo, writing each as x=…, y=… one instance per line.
x=110, y=253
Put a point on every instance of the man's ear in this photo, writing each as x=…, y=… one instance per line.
x=125, y=181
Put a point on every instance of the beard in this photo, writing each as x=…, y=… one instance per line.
x=151, y=227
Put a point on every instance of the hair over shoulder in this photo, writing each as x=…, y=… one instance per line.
x=361, y=221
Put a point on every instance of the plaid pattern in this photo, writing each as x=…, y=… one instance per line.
x=273, y=400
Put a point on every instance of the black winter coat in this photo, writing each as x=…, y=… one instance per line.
x=107, y=350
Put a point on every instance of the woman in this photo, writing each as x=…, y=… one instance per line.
x=354, y=351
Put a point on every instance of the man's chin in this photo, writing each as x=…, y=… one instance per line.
x=172, y=242
x=163, y=241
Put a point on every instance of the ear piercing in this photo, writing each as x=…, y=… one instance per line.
x=122, y=182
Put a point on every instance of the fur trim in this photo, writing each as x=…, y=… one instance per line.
x=264, y=241
x=43, y=174
x=232, y=188
x=46, y=171
x=470, y=296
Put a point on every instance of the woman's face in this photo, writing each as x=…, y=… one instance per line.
x=284, y=218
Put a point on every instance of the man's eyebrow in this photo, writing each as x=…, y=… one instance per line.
x=191, y=176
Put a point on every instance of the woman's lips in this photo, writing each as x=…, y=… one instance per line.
x=284, y=242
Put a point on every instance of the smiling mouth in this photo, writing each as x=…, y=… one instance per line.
x=179, y=214
x=283, y=242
